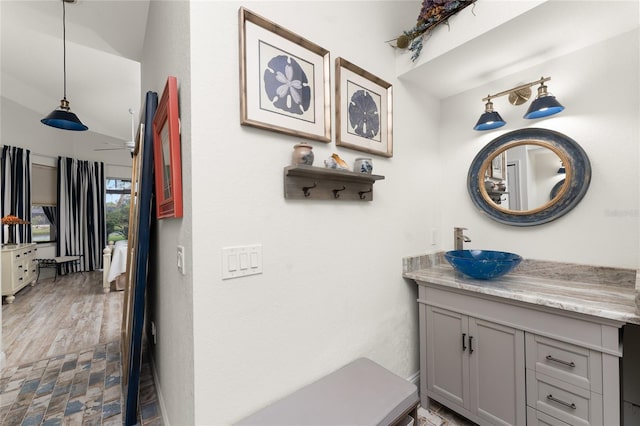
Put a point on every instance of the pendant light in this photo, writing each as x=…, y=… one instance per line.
x=62, y=117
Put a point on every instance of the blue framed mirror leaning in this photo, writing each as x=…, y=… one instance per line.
x=529, y=177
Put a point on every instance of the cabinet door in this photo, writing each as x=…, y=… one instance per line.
x=497, y=373
x=447, y=355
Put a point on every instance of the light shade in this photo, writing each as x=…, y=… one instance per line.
x=544, y=105
x=63, y=120
x=62, y=117
x=490, y=119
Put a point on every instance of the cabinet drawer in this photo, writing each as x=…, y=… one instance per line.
x=563, y=401
x=570, y=363
x=19, y=267
x=538, y=418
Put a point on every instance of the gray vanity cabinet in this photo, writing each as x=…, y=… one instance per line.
x=503, y=362
x=476, y=365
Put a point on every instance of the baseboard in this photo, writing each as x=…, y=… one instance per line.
x=161, y=406
x=415, y=379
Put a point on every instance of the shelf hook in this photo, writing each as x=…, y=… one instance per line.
x=306, y=189
x=336, y=192
x=362, y=194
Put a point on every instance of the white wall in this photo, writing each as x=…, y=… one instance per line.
x=598, y=86
x=166, y=52
x=332, y=289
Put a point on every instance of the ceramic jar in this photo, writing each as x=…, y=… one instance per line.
x=363, y=165
x=302, y=154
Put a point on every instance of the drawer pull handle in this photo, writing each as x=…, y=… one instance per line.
x=470, y=344
x=566, y=404
x=559, y=361
x=464, y=346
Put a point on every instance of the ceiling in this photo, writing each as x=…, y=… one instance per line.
x=103, y=50
x=547, y=30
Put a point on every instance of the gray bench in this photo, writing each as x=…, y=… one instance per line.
x=360, y=393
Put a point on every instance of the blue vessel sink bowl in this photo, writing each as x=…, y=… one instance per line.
x=482, y=264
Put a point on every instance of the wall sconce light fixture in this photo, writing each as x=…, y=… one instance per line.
x=544, y=105
x=62, y=117
x=562, y=170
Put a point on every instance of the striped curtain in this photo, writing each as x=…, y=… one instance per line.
x=81, y=221
x=15, y=191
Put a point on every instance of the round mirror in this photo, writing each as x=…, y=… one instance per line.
x=529, y=177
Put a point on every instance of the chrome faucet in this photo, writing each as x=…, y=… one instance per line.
x=459, y=238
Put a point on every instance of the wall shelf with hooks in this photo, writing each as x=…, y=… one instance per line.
x=318, y=183
x=496, y=196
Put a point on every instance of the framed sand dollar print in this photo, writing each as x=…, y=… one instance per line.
x=364, y=113
x=284, y=80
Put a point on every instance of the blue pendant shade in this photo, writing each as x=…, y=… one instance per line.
x=62, y=118
x=562, y=170
x=544, y=105
x=490, y=119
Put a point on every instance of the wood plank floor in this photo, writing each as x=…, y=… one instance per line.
x=61, y=317
x=62, y=342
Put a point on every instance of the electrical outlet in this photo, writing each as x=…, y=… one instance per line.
x=153, y=331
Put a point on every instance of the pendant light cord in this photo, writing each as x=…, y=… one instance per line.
x=64, y=49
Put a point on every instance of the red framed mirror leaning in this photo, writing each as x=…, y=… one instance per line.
x=166, y=152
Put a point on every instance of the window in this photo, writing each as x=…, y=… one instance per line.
x=42, y=230
x=44, y=201
x=117, y=206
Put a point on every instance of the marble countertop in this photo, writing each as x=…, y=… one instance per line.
x=611, y=293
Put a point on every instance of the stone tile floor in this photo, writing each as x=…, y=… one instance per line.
x=82, y=388
x=439, y=415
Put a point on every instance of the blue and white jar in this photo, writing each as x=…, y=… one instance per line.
x=302, y=154
x=363, y=165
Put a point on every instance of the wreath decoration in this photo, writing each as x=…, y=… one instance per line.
x=432, y=14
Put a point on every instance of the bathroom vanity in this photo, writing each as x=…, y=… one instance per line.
x=540, y=346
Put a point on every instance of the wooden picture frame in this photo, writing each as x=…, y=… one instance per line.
x=132, y=250
x=166, y=150
x=284, y=80
x=364, y=110
x=499, y=166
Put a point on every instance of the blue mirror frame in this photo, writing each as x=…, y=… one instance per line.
x=577, y=179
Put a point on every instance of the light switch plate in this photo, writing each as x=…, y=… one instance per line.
x=181, y=260
x=241, y=261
